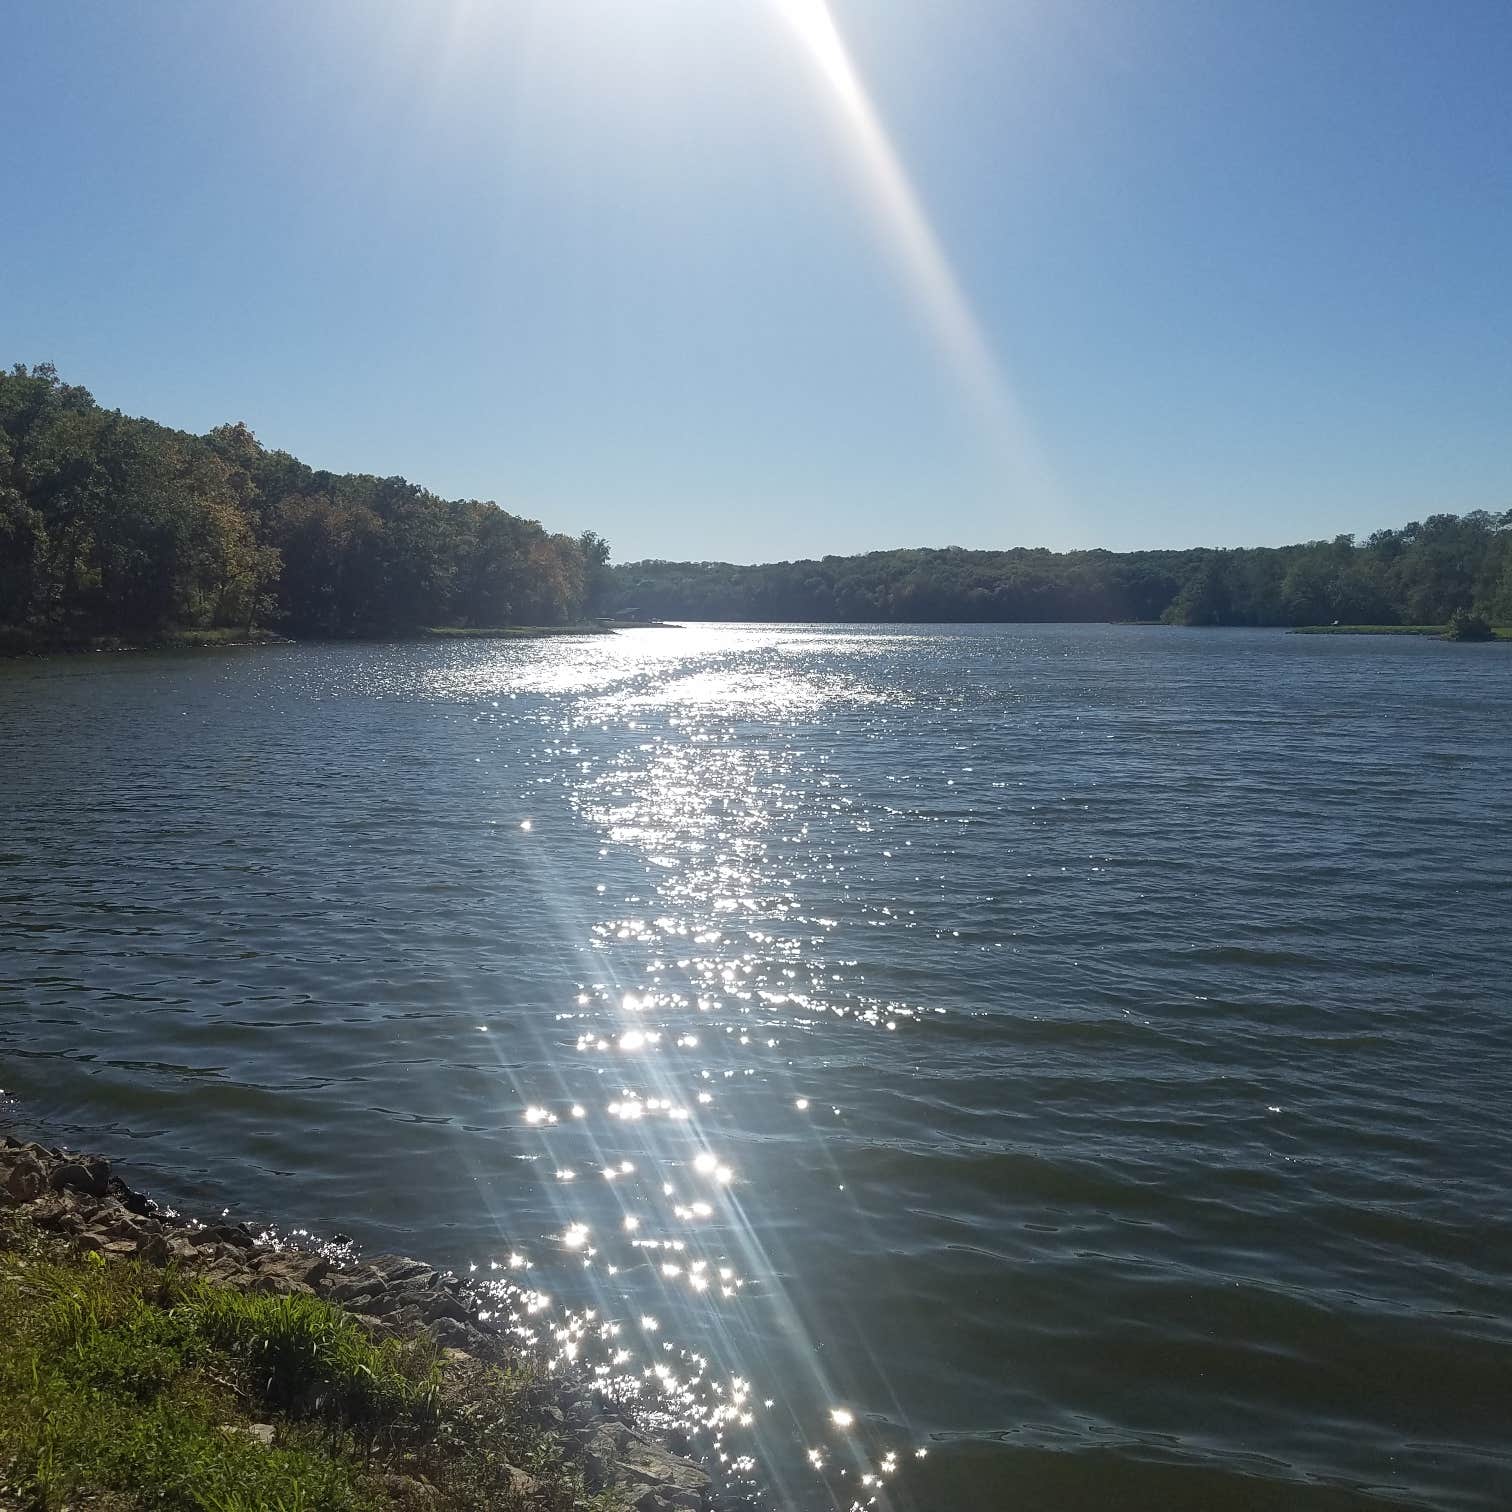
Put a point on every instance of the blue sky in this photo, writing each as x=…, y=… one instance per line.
x=1242, y=269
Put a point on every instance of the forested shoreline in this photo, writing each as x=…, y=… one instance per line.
x=115, y=526
x=111, y=525
x=1421, y=574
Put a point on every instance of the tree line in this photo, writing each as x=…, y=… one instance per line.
x=112, y=525
x=1421, y=574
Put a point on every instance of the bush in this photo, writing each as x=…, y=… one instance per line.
x=1465, y=626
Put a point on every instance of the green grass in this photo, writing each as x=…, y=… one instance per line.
x=308, y=1357
x=125, y=1387
x=1503, y=633
x=225, y=636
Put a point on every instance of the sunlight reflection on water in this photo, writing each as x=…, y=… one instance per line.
x=698, y=988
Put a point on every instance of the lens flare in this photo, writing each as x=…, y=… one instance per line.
x=931, y=280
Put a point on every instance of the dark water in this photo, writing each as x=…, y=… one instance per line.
x=1080, y=1053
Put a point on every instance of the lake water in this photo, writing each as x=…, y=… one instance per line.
x=1080, y=1053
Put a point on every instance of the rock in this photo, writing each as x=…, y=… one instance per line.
x=599, y=1455
x=292, y=1267
x=397, y=1268
x=110, y=1217
x=456, y=1338
x=314, y=1268
x=261, y=1432
x=228, y=1271
x=285, y=1267
x=405, y=1491
x=222, y=1233
x=521, y=1484
x=24, y=1180
x=638, y=1499
x=277, y=1283
x=133, y=1202
x=353, y=1291
x=441, y=1305
x=640, y=1459
x=89, y=1176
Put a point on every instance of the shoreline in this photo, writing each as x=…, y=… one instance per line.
x=1424, y=632
x=16, y=644
x=73, y=1214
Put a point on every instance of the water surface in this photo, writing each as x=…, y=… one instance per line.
x=1079, y=1053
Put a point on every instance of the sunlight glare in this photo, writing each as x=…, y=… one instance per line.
x=912, y=240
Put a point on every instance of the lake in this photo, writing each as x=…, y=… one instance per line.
x=1080, y=1053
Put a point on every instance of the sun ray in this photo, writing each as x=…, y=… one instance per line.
x=913, y=242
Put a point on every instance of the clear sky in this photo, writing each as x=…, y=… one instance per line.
x=721, y=282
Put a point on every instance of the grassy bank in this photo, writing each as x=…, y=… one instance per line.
x=1368, y=630
x=16, y=641
x=127, y=1386
x=221, y=637
x=1501, y=632
x=151, y=1363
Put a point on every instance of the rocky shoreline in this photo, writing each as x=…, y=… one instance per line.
x=83, y=1200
